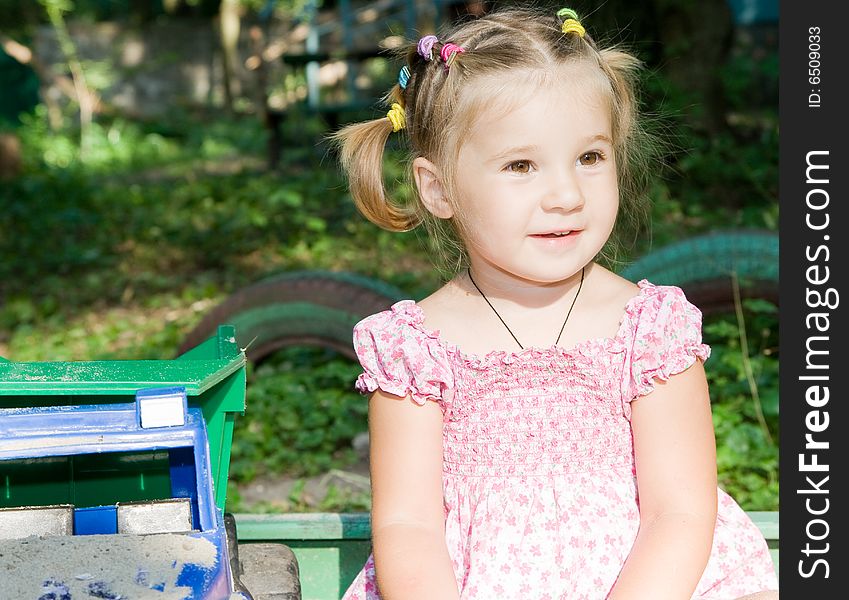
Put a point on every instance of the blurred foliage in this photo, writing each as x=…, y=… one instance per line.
x=725, y=178
x=17, y=15
x=303, y=413
x=155, y=222
x=747, y=452
x=334, y=499
x=121, y=255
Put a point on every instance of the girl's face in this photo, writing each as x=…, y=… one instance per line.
x=536, y=186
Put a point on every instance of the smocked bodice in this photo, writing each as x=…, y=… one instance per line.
x=551, y=412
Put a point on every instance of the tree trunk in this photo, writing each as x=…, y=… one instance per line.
x=270, y=119
x=229, y=22
x=85, y=100
x=10, y=156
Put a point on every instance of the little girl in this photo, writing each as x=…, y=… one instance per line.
x=540, y=427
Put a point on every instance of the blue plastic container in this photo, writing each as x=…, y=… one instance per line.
x=149, y=466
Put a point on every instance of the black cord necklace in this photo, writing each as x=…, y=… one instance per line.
x=562, y=327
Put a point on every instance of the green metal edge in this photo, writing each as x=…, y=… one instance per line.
x=307, y=526
x=351, y=526
x=331, y=548
x=217, y=358
x=222, y=345
x=125, y=378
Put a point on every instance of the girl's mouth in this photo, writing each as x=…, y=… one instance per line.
x=556, y=234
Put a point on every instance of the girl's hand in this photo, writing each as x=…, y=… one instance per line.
x=675, y=453
x=408, y=519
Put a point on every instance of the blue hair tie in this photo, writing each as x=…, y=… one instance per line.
x=404, y=77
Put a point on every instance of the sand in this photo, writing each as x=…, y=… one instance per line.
x=111, y=567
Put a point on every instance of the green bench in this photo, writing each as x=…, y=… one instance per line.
x=331, y=548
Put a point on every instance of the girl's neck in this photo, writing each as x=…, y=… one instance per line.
x=508, y=288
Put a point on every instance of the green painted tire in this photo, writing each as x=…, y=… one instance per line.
x=312, y=308
x=703, y=266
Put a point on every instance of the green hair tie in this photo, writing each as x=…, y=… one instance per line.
x=564, y=13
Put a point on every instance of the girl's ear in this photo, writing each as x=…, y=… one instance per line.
x=432, y=192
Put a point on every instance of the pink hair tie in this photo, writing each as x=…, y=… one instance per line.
x=425, y=46
x=449, y=52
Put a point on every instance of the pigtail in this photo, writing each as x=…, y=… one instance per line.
x=361, y=148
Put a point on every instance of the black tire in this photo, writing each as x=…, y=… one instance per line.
x=704, y=267
x=313, y=308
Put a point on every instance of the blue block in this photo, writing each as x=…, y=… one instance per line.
x=95, y=519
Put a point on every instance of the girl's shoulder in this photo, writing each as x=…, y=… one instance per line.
x=654, y=319
x=400, y=326
x=644, y=299
x=662, y=331
x=400, y=357
x=411, y=321
x=655, y=305
x=405, y=314
x=610, y=293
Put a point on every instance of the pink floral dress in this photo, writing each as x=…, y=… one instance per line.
x=538, y=467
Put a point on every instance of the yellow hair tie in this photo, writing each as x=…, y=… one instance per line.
x=396, y=117
x=573, y=26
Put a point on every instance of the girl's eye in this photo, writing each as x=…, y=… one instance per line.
x=520, y=166
x=589, y=159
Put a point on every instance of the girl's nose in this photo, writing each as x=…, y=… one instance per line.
x=563, y=192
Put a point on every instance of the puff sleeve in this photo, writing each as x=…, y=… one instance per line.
x=399, y=357
x=665, y=339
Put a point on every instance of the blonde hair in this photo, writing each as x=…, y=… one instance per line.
x=439, y=103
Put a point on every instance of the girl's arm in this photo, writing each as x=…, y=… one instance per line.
x=675, y=453
x=408, y=521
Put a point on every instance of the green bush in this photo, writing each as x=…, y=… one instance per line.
x=302, y=414
x=745, y=404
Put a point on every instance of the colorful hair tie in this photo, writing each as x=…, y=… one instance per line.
x=404, y=77
x=396, y=117
x=573, y=26
x=425, y=46
x=449, y=52
x=567, y=13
